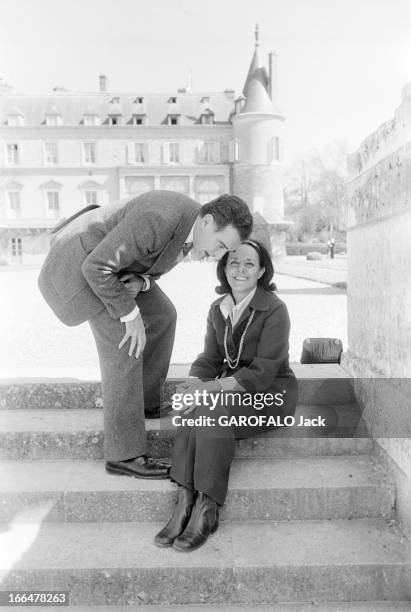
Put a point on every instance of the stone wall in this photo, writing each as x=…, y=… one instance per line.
x=379, y=292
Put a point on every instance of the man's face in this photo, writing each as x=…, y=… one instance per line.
x=208, y=240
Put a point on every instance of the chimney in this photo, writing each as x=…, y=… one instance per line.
x=103, y=82
x=272, y=76
x=239, y=104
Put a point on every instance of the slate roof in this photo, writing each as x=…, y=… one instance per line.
x=255, y=90
x=72, y=107
x=257, y=84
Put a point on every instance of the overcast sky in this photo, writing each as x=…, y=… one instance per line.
x=342, y=63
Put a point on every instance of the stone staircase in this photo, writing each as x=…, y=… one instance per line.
x=309, y=523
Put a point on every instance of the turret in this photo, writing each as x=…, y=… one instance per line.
x=258, y=132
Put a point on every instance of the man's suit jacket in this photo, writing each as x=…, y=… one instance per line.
x=144, y=234
x=265, y=351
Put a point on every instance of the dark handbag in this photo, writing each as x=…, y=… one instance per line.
x=321, y=350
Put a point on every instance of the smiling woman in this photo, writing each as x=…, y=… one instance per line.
x=245, y=357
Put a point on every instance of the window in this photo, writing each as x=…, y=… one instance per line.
x=13, y=153
x=276, y=148
x=138, y=119
x=136, y=153
x=14, y=204
x=173, y=119
x=17, y=248
x=139, y=153
x=53, y=204
x=89, y=152
x=91, y=120
x=134, y=185
x=53, y=119
x=139, y=100
x=207, y=118
x=174, y=153
x=172, y=100
x=15, y=120
x=50, y=153
x=90, y=197
x=179, y=184
x=115, y=120
x=207, y=190
x=210, y=153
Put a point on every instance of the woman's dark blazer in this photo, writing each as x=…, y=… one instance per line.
x=265, y=351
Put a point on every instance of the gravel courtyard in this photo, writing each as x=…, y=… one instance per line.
x=35, y=344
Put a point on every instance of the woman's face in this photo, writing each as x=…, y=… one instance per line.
x=243, y=269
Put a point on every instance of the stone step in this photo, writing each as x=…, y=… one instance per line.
x=340, y=606
x=318, y=384
x=247, y=562
x=260, y=489
x=77, y=434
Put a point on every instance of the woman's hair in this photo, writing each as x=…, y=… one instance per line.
x=265, y=262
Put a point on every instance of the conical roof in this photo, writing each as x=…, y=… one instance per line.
x=255, y=88
x=256, y=69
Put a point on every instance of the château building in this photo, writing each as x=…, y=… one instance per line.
x=62, y=151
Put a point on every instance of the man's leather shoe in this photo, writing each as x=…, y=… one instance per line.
x=158, y=412
x=202, y=523
x=139, y=467
x=179, y=519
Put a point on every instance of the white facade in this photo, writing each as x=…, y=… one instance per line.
x=60, y=152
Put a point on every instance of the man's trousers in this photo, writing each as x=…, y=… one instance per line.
x=130, y=384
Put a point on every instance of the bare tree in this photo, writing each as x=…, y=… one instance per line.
x=315, y=193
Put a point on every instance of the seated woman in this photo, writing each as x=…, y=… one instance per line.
x=245, y=351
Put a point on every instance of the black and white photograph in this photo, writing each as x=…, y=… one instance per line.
x=205, y=311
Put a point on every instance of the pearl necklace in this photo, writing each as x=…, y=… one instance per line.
x=233, y=363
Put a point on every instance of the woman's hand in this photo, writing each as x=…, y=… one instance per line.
x=195, y=387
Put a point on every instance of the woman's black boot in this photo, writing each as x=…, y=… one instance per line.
x=202, y=523
x=179, y=519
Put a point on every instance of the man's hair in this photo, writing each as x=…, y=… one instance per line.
x=230, y=210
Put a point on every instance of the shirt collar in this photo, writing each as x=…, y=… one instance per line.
x=230, y=309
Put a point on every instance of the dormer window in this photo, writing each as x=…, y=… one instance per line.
x=53, y=119
x=139, y=100
x=115, y=114
x=15, y=120
x=172, y=100
x=91, y=119
x=115, y=119
x=138, y=120
x=207, y=118
x=173, y=119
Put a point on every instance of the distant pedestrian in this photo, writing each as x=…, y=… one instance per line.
x=331, y=247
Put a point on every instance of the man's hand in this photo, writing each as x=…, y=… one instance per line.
x=132, y=282
x=137, y=334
